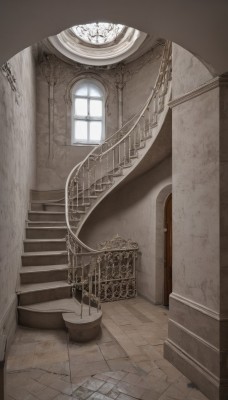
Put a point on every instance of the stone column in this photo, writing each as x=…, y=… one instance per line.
x=197, y=341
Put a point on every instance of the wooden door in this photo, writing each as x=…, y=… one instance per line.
x=168, y=250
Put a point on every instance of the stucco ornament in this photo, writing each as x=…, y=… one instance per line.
x=117, y=242
x=6, y=70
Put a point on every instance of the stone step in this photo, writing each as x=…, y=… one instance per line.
x=37, y=206
x=44, y=258
x=47, y=195
x=46, y=216
x=42, y=292
x=47, y=315
x=34, y=245
x=54, y=232
x=44, y=273
x=46, y=223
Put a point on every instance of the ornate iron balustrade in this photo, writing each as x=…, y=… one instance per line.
x=92, y=269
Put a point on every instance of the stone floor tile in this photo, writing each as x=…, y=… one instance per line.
x=82, y=393
x=121, y=364
x=195, y=394
x=112, y=351
x=130, y=390
x=104, y=336
x=131, y=378
x=125, y=397
x=106, y=388
x=98, y=396
x=85, y=369
x=114, y=393
x=47, y=394
x=64, y=397
x=118, y=375
x=150, y=394
x=93, y=384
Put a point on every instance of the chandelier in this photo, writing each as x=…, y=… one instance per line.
x=98, y=33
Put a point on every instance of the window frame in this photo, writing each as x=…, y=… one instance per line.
x=88, y=118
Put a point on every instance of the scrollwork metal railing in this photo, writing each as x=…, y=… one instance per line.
x=93, y=272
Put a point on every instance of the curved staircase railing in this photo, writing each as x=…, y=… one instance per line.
x=89, y=179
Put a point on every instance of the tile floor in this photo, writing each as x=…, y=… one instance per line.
x=124, y=363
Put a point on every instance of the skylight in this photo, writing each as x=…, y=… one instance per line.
x=98, y=33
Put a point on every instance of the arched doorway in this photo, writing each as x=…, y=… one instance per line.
x=168, y=250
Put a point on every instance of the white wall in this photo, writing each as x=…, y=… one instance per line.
x=139, y=78
x=17, y=173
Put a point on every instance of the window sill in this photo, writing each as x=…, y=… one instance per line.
x=85, y=144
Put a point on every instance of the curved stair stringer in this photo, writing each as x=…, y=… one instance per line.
x=93, y=179
x=127, y=172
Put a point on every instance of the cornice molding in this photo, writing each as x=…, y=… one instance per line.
x=206, y=87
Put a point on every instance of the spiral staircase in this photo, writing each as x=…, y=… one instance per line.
x=61, y=277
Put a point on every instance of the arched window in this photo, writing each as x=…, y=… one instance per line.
x=88, y=112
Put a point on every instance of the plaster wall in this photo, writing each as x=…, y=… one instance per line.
x=196, y=184
x=135, y=211
x=138, y=79
x=17, y=173
x=140, y=76
x=188, y=72
x=197, y=339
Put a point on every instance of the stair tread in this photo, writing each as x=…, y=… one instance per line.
x=47, y=227
x=46, y=212
x=33, y=287
x=43, y=268
x=47, y=222
x=44, y=253
x=44, y=240
x=67, y=305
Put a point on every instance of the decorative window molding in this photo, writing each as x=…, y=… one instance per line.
x=87, y=112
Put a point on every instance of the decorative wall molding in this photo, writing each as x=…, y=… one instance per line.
x=206, y=87
x=193, y=335
x=6, y=70
x=183, y=354
x=52, y=71
x=199, y=307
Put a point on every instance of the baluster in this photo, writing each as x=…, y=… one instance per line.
x=113, y=159
x=88, y=178
x=90, y=291
x=82, y=285
x=99, y=283
x=129, y=149
x=83, y=184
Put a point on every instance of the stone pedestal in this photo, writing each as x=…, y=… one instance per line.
x=83, y=329
x=197, y=341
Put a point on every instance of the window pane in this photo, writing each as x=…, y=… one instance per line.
x=94, y=91
x=81, y=107
x=95, y=130
x=96, y=108
x=82, y=90
x=80, y=130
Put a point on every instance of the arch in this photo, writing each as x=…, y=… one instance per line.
x=160, y=242
x=174, y=20
x=88, y=76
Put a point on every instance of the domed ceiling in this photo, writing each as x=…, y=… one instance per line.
x=99, y=43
